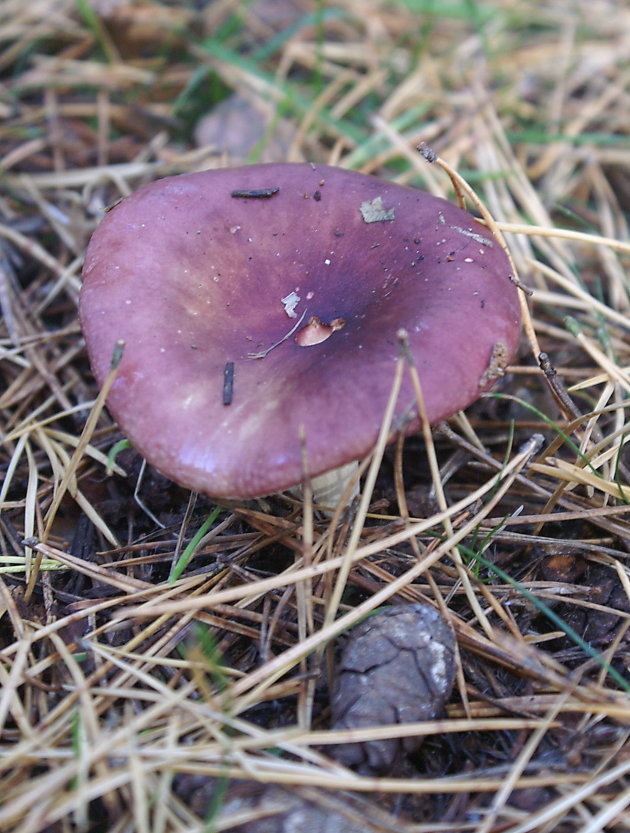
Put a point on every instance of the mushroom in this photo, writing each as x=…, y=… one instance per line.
x=259, y=308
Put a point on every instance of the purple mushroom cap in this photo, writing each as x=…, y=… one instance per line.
x=261, y=305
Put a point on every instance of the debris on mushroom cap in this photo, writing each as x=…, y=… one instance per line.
x=193, y=273
x=398, y=666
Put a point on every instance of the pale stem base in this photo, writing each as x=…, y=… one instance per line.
x=329, y=488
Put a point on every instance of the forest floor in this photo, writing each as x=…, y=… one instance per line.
x=166, y=662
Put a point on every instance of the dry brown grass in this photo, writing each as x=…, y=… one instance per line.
x=117, y=684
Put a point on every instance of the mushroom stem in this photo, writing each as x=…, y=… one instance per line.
x=329, y=488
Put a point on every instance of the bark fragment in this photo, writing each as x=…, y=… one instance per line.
x=398, y=666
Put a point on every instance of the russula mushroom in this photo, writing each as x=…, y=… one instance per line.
x=259, y=308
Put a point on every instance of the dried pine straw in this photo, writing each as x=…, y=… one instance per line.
x=145, y=651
